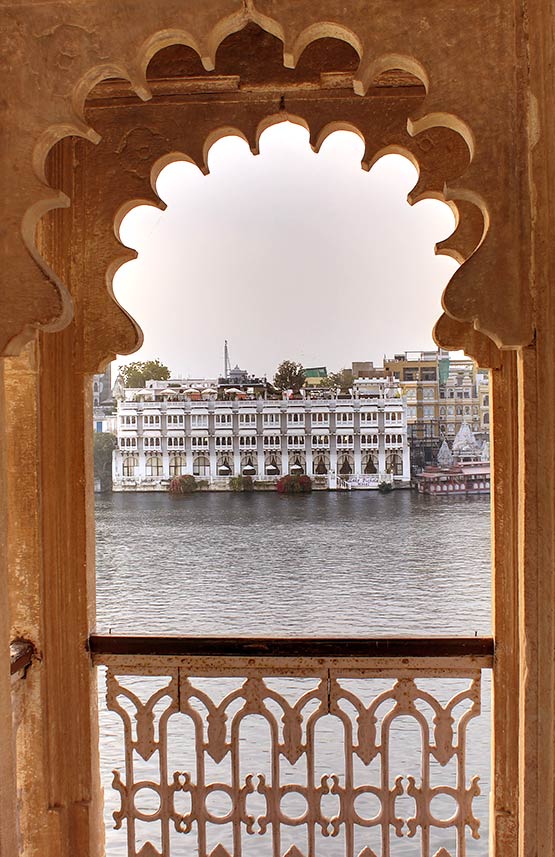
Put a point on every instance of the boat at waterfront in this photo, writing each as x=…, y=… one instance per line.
x=470, y=478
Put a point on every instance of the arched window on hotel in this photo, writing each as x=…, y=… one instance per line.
x=177, y=465
x=486, y=419
x=154, y=466
x=248, y=466
x=345, y=465
x=394, y=464
x=297, y=466
x=369, y=463
x=320, y=468
x=130, y=464
x=201, y=466
x=272, y=468
x=225, y=466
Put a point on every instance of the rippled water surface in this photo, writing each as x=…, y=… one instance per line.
x=358, y=563
x=327, y=563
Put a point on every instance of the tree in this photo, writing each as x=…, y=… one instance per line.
x=104, y=445
x=289, y=376
x=342, y=379
x=138, y=373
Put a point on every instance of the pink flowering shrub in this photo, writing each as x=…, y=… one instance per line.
x=294, y=484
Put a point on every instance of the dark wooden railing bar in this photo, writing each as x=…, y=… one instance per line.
x=292, y=647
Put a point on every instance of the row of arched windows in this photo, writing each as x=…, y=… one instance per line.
x=201, y=465
x=394, y=464
x=154, y=465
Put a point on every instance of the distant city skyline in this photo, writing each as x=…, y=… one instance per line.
x=275, y=253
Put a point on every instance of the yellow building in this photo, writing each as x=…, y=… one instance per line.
x=441, y=394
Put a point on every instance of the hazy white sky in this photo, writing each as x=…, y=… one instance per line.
x=287, y=255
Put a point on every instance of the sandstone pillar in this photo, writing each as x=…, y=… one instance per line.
x=536, y=511
x=51, y=563
x=8, y=821
x=68, y=602
x=504, y=507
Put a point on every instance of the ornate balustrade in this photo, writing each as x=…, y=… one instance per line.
x=294, y=747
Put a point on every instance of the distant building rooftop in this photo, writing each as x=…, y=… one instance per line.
x=417, y=356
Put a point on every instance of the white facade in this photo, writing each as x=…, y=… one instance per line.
x=346, y=442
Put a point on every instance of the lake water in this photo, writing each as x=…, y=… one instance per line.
x=347, y=563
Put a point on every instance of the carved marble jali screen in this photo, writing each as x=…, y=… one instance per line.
x=350, y=763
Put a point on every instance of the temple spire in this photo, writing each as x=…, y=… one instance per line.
x=445, y=456
x=464, y=445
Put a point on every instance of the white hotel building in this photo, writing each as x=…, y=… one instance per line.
x=354, y=442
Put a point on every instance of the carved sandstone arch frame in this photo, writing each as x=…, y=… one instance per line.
x=70, y=51
x=465, y=146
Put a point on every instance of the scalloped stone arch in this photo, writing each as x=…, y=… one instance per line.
x=164, y=39
x=275, y=119
x=422, y=126
x=330, y=128
x=371, y=69
x=482, y=348
x=321, y=30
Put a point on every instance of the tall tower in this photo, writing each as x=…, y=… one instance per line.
x=227, y=364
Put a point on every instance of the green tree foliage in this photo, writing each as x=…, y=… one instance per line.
x=104, y=445
x=241, y=483
x=289, y=376
x=342, y=379
x=138, y=373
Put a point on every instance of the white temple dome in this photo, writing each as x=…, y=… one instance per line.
x=465, y=442
x=445, y=456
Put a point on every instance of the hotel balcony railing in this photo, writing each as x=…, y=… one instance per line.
x=195, y=779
